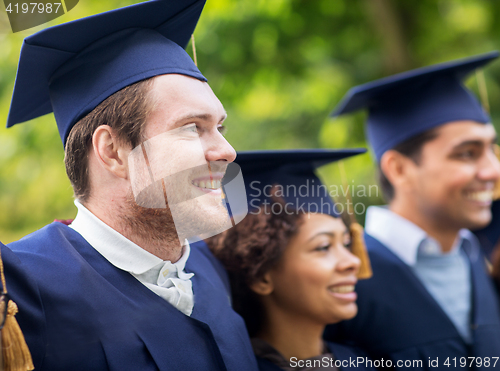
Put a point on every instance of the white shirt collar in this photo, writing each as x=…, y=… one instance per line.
x=403, y=237
x=168, y=280
x=116, y=248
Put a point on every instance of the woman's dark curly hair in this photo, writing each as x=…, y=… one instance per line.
x=249, y=250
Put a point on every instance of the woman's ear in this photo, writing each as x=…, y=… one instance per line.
x=264, y=285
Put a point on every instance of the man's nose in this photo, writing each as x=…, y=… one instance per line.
x=217, y=148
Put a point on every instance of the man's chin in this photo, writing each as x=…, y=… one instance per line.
x=478, y=220
x=200, y=218
x=150, y=224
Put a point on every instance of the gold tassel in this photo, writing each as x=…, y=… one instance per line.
x=495, y=266
x=496, y=189
x=15, y=352
x=483, y=93
x=358, y=246
x=195, y=59
x=359, y=249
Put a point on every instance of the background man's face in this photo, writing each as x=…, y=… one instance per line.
x=453, y=184
x=186, y=150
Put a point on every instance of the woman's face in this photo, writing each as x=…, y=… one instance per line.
x=317, y=273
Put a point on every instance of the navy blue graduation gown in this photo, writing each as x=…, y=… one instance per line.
x=82, y=313
x=341, y=353
x=400, y=320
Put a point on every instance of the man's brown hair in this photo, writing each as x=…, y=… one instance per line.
x=126, y=111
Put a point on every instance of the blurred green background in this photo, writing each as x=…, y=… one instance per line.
x=279, y=67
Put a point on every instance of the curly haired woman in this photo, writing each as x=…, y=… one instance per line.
x=290, y=263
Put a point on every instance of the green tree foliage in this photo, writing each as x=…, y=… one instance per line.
x=279, y=67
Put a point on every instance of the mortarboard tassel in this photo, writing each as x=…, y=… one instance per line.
x=16, y=355
x=483, y=93
x=358, y=246
x=496, y=189
x=195, y=59
x=15, y=351
x=359, y=249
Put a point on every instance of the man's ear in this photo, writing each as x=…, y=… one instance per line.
x=110, y=152
x=397, y=168
x=264, y=285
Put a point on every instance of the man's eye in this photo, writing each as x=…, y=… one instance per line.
x=192, y=128
x=222, y=129
x=466, y=155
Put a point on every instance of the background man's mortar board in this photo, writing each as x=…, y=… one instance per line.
x=407, y=104
x=70, y=68
x=294, y=171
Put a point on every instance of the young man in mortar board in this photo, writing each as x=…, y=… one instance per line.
x=430, y=302
x=121, y=289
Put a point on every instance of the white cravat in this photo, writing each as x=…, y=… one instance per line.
x=168, y=280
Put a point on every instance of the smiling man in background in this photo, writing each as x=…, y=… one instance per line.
x=430, y=301
x=121, y=288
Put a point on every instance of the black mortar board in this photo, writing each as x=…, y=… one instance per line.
x=405, y=105
x=70, y=68
x=293, y=172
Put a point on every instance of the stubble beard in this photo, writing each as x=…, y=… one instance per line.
x=154, y=227
x=162, y=233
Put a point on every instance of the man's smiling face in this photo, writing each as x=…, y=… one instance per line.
x=185, y=154
x=454, y=181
